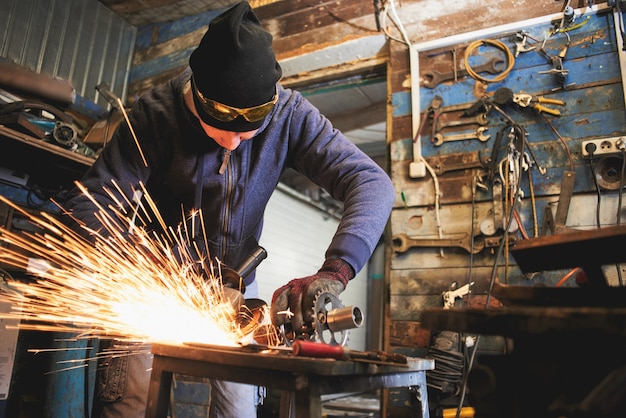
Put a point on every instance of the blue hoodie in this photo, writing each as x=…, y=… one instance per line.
x=177, y=151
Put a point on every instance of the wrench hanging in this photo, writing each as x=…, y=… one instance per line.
x=402, y=242
x=478, y=134
x=479, y=119
x=432, y=79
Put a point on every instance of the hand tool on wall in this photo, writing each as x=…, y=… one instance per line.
x=303, y=348
x=430, y=113
x=538, y=103
x=478, y=134
x=479, y=119
x=505, y=95
x=451, y=295
x=432, y=79
x=451, y=162
x=557, y=62
x=521, y=44
x=402, y=243
x=418, y=167
x=435, y=109
x=502, y=96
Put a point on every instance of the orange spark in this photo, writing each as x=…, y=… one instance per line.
x=125, y=282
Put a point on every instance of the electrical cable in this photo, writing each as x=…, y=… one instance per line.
x=566, y=277
x=518, y=220
x=396, y=20
x=533, y=204
x=437, y=200
x=569, y=155
x=469, y=295
x=598, y=191
x=498, y=44
x=492, y=279
x=508, y=204
x=621, y=188
x=620, y=18
x=619, y=209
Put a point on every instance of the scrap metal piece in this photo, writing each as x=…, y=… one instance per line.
x=332, y=320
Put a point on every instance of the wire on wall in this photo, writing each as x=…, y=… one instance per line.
x=510, y=59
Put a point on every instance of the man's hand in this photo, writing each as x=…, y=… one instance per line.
x=298, y=295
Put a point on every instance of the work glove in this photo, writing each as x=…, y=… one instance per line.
x=299, y=294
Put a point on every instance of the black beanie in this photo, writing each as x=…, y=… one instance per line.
x=235, y=65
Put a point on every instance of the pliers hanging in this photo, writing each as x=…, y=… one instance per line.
x=538, y=102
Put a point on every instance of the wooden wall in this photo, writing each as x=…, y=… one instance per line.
x=306, y=30
x=419, y=276
x=594, y=109
x=300, y=28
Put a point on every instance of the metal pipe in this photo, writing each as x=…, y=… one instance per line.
x=345, y=318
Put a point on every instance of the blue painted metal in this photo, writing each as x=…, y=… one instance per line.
x=70, y=382
x=25, y=197
x=88, y=108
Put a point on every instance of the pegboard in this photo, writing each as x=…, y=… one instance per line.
x=448, y=193
x=589, y=93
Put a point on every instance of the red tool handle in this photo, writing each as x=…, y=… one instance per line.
x=320, y=350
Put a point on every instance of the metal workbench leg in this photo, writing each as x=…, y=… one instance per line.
x=159, y=391
x=301, y=403
x=421, y=395
x=286, y=408
x=308, y=401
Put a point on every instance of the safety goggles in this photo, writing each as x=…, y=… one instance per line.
x=225, y=113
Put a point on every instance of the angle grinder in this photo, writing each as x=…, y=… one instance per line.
x=331, y=320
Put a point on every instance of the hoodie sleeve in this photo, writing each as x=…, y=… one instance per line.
x=333, y=162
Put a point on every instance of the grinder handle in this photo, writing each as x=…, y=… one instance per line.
x=252, y=262
x=319, y=350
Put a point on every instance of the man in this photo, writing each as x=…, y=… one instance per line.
x=218, y=137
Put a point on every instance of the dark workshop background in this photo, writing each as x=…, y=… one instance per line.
x=339, y=46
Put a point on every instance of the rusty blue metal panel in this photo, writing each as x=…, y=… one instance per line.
x=70, y=383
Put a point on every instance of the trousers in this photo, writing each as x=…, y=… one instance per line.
x=123, y=380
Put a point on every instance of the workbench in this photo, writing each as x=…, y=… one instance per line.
x=303, y=380
x=568, y=344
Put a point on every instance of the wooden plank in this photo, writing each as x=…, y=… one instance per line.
x=591, y=322
x=138, y=87
x=589, y=250
x=53, y=149
x=186, y=41
x=428, y=282
x=305, y=18
x=408, y=334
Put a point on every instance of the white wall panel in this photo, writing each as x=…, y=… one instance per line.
x=296, y=236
